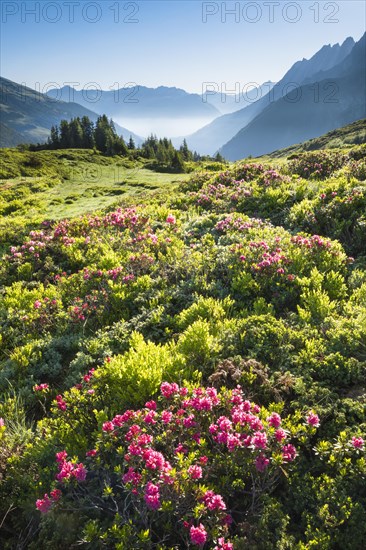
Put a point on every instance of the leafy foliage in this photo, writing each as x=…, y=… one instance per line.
x=241, y=277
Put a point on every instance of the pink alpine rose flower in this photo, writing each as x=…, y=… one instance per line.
x=195, y=472
x=44, y=504
x=289, y=453
x=198, y=535
x=357, y=442
x=261, y=462
x=280, y=434
x=41, y=387
x=222, y=545
x=108, y=426
x=274, y=420
x=313, y=420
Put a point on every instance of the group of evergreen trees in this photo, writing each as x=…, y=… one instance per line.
x=163, y=153
x=84, y=134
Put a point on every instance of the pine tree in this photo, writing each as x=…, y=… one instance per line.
x=75, y=134
x=185, y=152
x=177, y=163
x=54, y=139
x=64, y=134
x=219, y=157
x=101, y=133
x=88, y=132
x=131, y=144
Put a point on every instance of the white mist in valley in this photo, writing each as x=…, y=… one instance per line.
x=163, y=127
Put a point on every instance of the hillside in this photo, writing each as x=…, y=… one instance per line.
x=27, y=115
x=347, y=136
x=185, y=369
x=229, y=103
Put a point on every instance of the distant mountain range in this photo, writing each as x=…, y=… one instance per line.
x=140, y=102
x=310, y=110
x=162, y=102
x=27, y=116
x=213, y=136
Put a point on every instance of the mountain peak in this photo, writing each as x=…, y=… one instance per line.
x=324, y=59
x=349, y=40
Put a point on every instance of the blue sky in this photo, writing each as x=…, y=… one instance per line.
x=172, y=43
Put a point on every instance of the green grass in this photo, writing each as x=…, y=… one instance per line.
x=59, y=184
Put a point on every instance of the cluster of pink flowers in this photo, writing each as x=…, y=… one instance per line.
x=76, y=312
x=198, y=535
x=274, y=260
x=65, y=231
x=232, y=185
x=113, y=274
x=249, y=171
x=195, y=472
x=121, y=218
x=68, y=469
x=41, y=387
x=30, y=248
x=269, y=262
x=91, y=304
x=45, y=504
x=61, y=229
x=169, y=390
x=91, y=453
x=202, y=399
x=61, y=403
x=223, y=545
x=230, y=223
x=315, y=241
x=131, y=476
x=152, y=496
x=259, y=244
x=48, y=304
x=271, y=176
x=232, y=190
x=317, y=164
x=289, y=453
x=213, y=501
x=313, y=419
x=159, y=448
x=274, y=420
x=357, y=442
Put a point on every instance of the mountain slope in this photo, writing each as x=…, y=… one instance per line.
x=230, y=103
x=210, y=138
x=351, y=134
x=27, y=115
x=320, y=107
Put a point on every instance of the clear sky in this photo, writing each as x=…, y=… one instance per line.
x=171, y=43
